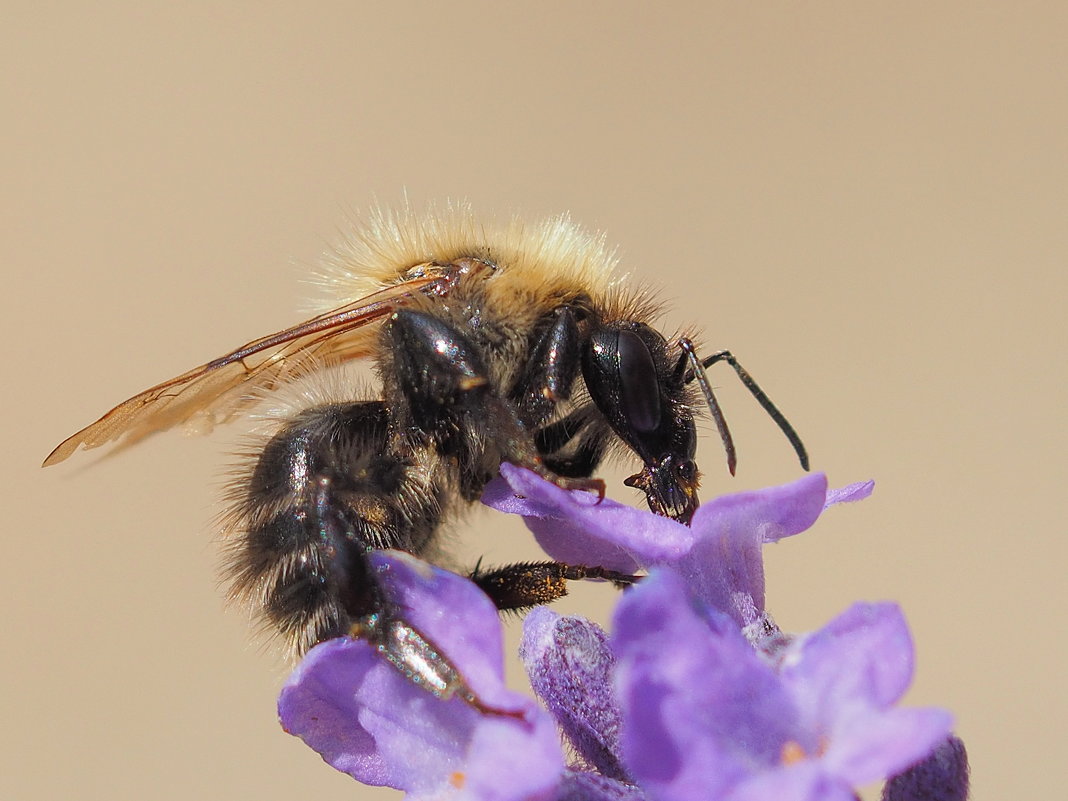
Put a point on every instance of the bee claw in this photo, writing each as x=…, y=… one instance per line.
x=594, y=485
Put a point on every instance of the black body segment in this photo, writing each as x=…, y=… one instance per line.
x=437, y=367
x=641, y=391
x=326, y=491
x=445, y=400
x=575, y=445
x=633, y=381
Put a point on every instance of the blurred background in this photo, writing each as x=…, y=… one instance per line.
x=867, y=204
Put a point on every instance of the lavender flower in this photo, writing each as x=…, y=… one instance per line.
x=365, y=718
x=718, y=554
x=570, y=668
x=676, y=704
x=706, y=716
x=697, y=713
x=942, y=776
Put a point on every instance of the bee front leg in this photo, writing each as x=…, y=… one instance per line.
x=550, y=371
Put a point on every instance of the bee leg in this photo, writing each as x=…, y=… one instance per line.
x=547, y=379
x=574, y=445
x=550, y=371
x=526, y=584
x=324, y=493
x=447, y=393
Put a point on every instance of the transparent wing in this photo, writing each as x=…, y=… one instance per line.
x=224, y=387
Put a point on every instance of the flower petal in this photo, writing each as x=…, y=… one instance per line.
x=575, y=527
x=369, y=720
x=701, y=710
x=725, y=567
x=507, y=762
x=455, y=615
x=845, y=679
x=873, y=747
x=864, y=657
x=361, y=714
x=850, y=493
x=804, y=781
x=778, y=512
x=570, y=665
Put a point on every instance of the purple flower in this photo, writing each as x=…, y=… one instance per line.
x=570, y=668
x=942, y=776
x=711, y=718
x=580, y=785
x=677, y=704
x=367, y=719
x=697, y=713
x=718, y=554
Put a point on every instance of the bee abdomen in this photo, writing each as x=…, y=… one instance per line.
x=325, y=491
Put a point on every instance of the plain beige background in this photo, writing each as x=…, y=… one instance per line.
x=866, y=202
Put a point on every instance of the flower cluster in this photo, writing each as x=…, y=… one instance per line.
x=695, y=693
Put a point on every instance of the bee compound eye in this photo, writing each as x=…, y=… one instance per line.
x=639, y=387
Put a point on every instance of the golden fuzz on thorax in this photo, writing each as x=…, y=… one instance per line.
x=381, y=249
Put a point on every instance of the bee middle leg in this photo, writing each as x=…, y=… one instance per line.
x=575, y=444
x=526, y=584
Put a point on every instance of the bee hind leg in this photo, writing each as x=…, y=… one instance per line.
x=324, y=493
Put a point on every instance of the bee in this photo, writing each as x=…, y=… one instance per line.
x=500, y=344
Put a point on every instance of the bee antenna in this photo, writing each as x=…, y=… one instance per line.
x=698, y=372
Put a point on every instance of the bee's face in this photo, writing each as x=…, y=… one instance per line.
x=670, y=486
x=631, y=378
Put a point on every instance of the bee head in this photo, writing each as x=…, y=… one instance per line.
x=641, y=391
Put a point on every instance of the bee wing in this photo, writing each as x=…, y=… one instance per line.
x=222, y=387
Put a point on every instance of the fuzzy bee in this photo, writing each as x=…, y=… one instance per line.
x=512, y=344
